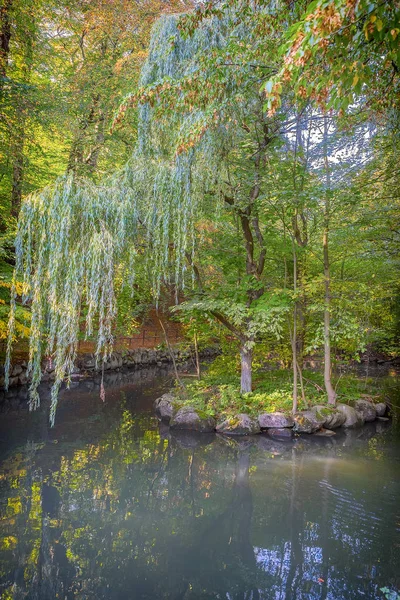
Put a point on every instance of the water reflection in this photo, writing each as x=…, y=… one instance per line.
x=110, y=505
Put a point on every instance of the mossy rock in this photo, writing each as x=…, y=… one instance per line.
x=308, y=421
x=275, y=420
x=241, y=424
x=187, y=418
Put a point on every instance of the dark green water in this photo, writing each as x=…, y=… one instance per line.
x=108, y=505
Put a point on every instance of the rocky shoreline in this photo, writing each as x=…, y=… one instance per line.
x=86, y=363
x=318, y=420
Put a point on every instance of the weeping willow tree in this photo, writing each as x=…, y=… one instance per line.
x=74, y=235
x=194, y=132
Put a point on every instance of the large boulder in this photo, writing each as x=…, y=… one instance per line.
x=308, y=421
x=380, y=409
x=164, y=407
x=366, y=409
x=333, y=418
x=190, y=419
x=275, y=420
x=239, y=425
x=352, y=417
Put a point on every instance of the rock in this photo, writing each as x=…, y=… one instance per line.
x=281, y=433
x=239, y=425
x=23, y=379
x=16, y=370
x=164, y=407
x=380, y=409
x=308, y=421
x=352, y=417
x=333, y=417
x=334, y=420
x=188, y=418
x=384, y=419
x=275, y=420
x=366, y=409
x=114, y=362
x=89, y=364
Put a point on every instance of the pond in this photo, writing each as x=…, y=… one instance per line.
x=109, y=505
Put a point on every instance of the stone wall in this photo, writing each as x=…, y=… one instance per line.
x=86, y=363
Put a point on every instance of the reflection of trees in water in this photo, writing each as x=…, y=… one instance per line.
x=141, y=515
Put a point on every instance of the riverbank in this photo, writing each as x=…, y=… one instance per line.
x=215, y=404
x=86, y=363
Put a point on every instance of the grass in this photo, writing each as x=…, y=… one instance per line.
x=217, y=393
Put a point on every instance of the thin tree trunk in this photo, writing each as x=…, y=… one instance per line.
x=5, y=37
x=17, y=152
x=93, y=157
x=327, y=278
x=246, y=357
x=19, y=134
x=301, y=313
x=171, y=353
x=303, y=395
x=196, y=353
x=294, y=336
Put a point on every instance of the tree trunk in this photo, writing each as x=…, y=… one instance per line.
x=196, y=353
x=327, y=319
x=5, y=37
x=17, y=152
x=301, y=313
x=81, y=160
x=19, y=132
x=93, y=156
x=246, y=356
x=294, y=337
x=327, y=277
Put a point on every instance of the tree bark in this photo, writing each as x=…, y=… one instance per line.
x=17, y=152
x=246, y=358
x=327, y=277
x=19, y=133
x=294, y=336
x=327, y=318
x=196, y=353
x=5, y=37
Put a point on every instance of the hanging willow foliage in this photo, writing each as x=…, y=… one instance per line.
x=73, y=235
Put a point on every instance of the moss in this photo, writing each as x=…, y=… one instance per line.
x=325, y=412
x=216, y=395
x=202, y=414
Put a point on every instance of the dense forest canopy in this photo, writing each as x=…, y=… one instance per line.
x=250, y=167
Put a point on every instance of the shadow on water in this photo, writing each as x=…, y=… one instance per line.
x=110, y=505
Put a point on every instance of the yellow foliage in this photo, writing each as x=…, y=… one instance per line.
x=8, y=543
x=15, y=505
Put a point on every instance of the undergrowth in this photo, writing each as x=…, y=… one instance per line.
x=218, y=393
